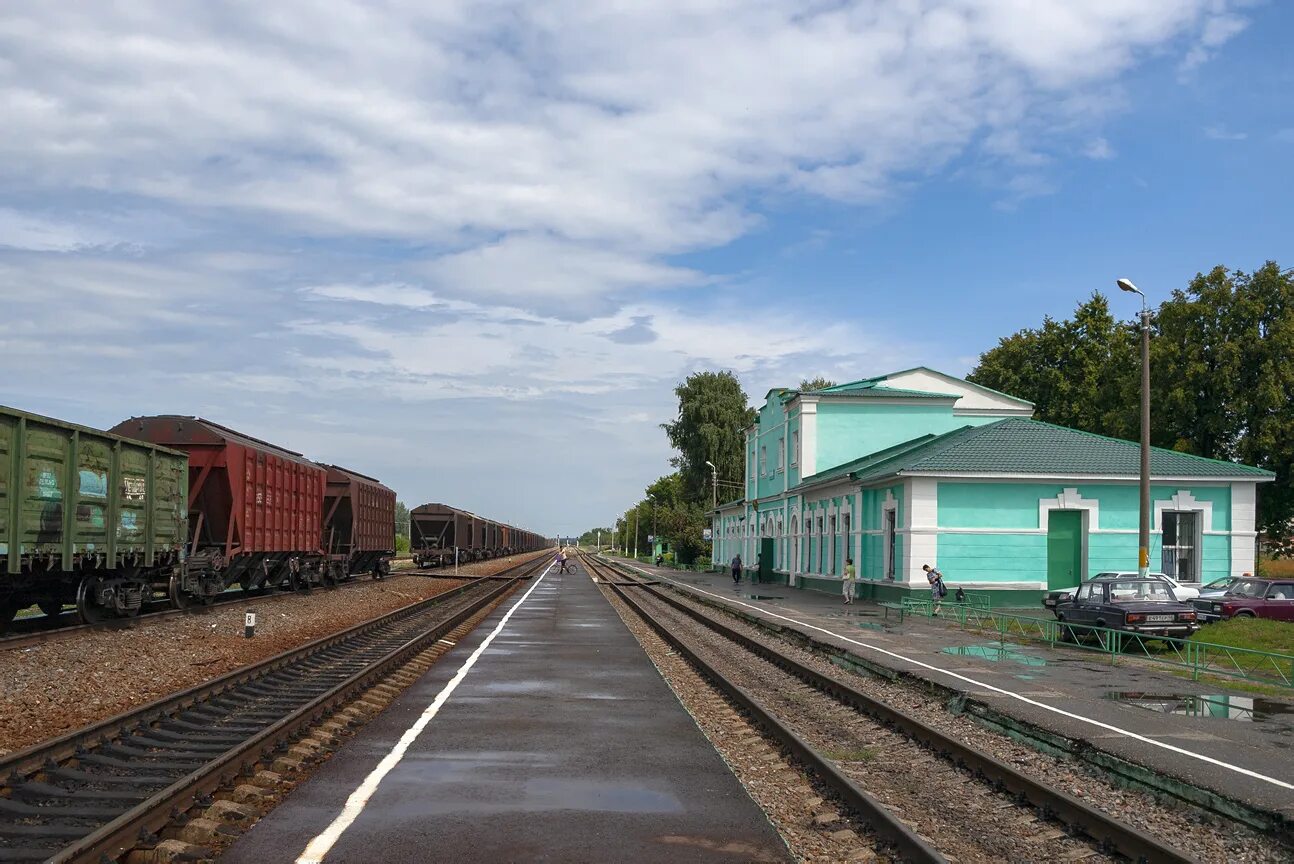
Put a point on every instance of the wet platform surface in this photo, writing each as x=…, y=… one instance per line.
x=1075, y=693
x=561, y=744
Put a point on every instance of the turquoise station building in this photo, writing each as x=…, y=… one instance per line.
x=918, y=467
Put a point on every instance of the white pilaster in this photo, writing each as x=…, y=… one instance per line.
x=922, y=523
x=1244, y=514
x=808, y=437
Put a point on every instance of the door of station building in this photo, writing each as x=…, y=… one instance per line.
x=765, y=559
x=1064, y=548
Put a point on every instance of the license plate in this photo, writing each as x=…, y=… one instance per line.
x=1159, y=618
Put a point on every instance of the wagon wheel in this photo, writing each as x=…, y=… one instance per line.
x=87, y=604
x=329, y=576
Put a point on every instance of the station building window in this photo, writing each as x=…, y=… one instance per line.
x=795, y=447
x=1179, y=557
x=781, y=455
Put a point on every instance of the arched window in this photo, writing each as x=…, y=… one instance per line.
x=821, y=543
x=831, y=553
x=848, y=543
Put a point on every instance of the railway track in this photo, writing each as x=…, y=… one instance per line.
x=91, y=795
x=30, y=631
x=927, y=796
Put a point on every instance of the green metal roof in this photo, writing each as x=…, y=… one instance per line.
x=1018, y=446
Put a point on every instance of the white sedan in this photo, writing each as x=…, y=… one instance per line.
x=1181, y=591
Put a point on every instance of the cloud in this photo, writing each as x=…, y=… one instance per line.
x=1218, y=29
x=1098, y=148
x=1221, y=133
x=445, y=240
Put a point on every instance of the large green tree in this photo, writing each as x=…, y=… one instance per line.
x=1222, y=376
x=713, y=415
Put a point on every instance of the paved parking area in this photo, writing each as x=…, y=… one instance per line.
x=1234, y=743
x=562, y=743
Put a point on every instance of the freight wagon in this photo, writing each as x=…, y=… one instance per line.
x=255, y=509
x=359, y=525
x=87, y=517
x=438, y=532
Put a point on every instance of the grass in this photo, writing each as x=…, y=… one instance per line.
x=861, y=754
x=1256, y=634
x=1277, y=568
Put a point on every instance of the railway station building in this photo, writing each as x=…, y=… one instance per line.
x=919, y=467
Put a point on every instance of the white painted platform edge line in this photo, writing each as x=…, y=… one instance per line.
x=1133, y=735
x=323, y=842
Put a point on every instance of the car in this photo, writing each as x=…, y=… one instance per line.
x=1251, y=598
x=1180, y=591
x=1130, y=603
x=1218, y=587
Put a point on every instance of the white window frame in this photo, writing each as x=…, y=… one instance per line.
x=763, y=461
x=795, y=447
x=781, y=455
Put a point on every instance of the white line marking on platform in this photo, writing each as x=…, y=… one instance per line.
x=447, y=642
x=1133, y=735
x=322, y=844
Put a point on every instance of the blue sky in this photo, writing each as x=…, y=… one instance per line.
x=471, y=248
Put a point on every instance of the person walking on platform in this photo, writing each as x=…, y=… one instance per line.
x=937, y=588
x=847, y=583
x=736, y=569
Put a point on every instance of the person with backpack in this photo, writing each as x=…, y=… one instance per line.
x=938, y=591
x=736, y=569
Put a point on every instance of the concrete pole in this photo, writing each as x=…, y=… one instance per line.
x=635, y=533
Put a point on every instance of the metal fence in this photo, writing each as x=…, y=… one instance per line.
x=1198, y=658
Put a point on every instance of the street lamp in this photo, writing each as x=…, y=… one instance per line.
x=1143, y=526
x=714, y=485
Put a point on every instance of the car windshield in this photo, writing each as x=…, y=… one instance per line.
x=1135, y=590
x=1249, y=588
x=1221, y=584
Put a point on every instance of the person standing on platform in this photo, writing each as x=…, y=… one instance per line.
x=736, y=569
x=560, y=561
x=937, y=589
x=847, y=583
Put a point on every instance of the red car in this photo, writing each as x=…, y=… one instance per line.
x=1251, y=598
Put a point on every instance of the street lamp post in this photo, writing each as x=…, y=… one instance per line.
x=714, y=485
x=1143, y=526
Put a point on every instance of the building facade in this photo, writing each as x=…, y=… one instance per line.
x=918, y=467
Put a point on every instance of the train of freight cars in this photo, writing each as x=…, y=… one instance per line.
x=440, y=535
x=173, y=506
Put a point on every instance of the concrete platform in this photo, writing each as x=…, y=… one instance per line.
x=1117, y=709
x=562, y=743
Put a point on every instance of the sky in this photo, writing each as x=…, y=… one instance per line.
x=471, y=248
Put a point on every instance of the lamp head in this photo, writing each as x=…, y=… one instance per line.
x=1126, y=285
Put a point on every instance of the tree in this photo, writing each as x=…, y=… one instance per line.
x=1081, y=372
x=1222, y=377
x=401, y=520
x=713, y=415
x=818, y=383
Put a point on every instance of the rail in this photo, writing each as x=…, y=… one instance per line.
x=163, y=745
x=1198, y=658
x=1102, y=828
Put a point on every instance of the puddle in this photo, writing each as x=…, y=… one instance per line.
x=996, y=653
x=1249, y=709
x=1026, y=677
x=763, y=597
x=868, y=625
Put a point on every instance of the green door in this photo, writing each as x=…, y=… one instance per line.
x=766, y=559
x=1064, y=548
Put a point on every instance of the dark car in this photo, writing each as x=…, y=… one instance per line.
x=1126, y=603
x=1051, y=598
x=1251, y=598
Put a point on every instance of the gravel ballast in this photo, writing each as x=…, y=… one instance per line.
x=812, y=826
x=63, y=684
x=1206, y=836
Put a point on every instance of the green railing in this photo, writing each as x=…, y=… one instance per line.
x=1199, y=658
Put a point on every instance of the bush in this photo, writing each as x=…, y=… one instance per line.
x=401, y=543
